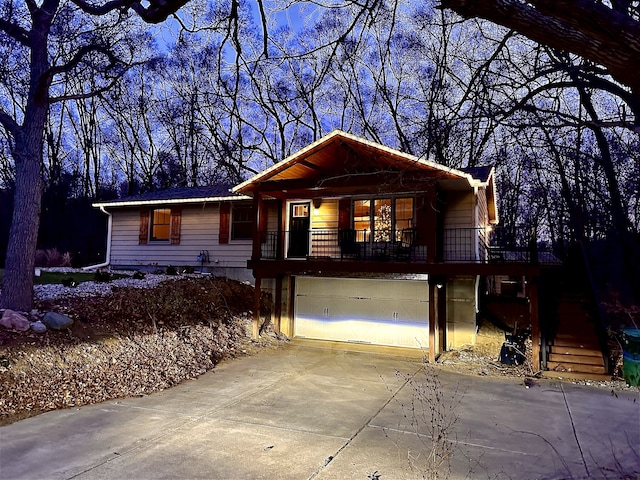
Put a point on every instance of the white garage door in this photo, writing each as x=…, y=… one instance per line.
x=381, y=312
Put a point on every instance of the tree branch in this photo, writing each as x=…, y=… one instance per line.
x=584, y=27
x=8, y=123
x=14, y=31
x=80, y=54
x=156, y=11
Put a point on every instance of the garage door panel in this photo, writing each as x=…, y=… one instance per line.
x=384, y=312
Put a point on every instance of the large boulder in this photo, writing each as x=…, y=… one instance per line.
x=14, y=321
x=57, y=321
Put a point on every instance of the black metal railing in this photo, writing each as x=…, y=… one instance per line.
x=477, y=245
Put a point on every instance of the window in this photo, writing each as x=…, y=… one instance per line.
x=403, y=215
x=160, y=224
x=242, y=222
x=387, y=216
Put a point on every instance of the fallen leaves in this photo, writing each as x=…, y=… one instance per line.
x=118, y=352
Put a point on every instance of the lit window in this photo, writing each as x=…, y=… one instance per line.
x=403, y=215
x=160, y=223
x=242, y=222
x=387, y=221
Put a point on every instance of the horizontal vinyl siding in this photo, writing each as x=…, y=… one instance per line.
x=199, y=232
x=483, y=213
x=460, y=210
x=325, y=217
x=459, y=219
x=272, y=217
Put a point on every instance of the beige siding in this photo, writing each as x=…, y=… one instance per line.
x=483, y=213
x=325, y=217
x=482, y=222
x=461, y=312
x=200, y=226
x=272, y=217
x=459, y=219
x=459, y=210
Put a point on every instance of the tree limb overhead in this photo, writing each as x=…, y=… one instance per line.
x=589, y=28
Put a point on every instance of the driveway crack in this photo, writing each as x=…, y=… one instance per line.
x=575, y=434
x=330, y=458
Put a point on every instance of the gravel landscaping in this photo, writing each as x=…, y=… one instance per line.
x=134, y=336
x=131, y=336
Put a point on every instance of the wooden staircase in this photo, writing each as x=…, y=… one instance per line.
x=574, y=351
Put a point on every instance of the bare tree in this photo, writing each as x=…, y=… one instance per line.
x=605, y=32
x=49, y=51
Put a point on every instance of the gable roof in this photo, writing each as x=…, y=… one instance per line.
x=342, y=153
x=479, y=173
x=213, y=193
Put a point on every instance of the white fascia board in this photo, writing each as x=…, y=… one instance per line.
x=173, y=201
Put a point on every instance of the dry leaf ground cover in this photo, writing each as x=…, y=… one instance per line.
x=133, y=341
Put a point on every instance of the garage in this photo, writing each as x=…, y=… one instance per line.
x=373, y=311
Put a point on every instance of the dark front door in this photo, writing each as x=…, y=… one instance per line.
x=299, y=230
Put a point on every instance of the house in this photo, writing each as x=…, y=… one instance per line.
x=360, y=243
x=206, y=228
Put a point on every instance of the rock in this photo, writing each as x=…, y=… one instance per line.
x=14, y=321
x=57, y=321
x=38, y=327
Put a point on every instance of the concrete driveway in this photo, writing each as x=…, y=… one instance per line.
x=301, y=413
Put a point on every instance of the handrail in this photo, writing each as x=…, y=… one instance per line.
x=476, y=245
x=601, y=328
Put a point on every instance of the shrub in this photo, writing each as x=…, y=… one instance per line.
x=66, y=260
x=41, y=258
x=138, y=275
x=54, y=257
x=171, y=270
x=102, y=276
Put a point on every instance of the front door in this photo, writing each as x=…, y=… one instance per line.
x=299, y=224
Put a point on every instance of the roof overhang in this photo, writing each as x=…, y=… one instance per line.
x=173, y=201
x=340, y=161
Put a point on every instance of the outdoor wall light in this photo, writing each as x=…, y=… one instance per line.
x=317, y=202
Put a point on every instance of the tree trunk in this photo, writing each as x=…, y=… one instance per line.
x=17, y=288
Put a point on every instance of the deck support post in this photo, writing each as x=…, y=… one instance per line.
x=257, y=239
x=433, y=321
x=255, y=334
x=534, y=317
x=278, y=305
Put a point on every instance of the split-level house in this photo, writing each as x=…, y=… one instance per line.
x=207, y=229
x=356, y=243
x=364, y=244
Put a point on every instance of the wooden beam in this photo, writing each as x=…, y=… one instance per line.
x=257, y=209
x=255, y=333
x=433, y=320
x=271, y=268
x=278, y=305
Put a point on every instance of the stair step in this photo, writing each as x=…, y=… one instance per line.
x=588, y=352
x=568, y=366
x=575, y=367
x=582, y=359
x=585, y=343
x=577, y=375
x=580, y=334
